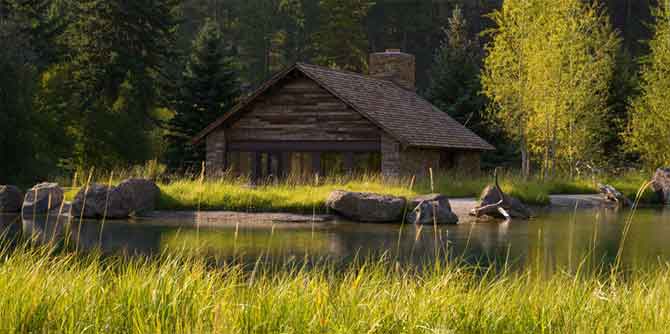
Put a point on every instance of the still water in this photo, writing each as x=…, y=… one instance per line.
x=553, y=241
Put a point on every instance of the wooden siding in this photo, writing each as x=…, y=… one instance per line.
x=300, y=110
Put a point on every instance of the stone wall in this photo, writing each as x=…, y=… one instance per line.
x=397, y=161
x=414, y=161
x=216, y=153
x=390, y=156
x=468, y=162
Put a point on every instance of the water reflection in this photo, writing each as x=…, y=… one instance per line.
x=586, y=240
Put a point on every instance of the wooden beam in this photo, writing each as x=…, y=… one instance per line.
x=316, y=164
x=305, y=146
x=348, y=158
x=256, y=166
x=282, y=164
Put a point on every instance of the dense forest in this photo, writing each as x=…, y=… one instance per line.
x=112, y=83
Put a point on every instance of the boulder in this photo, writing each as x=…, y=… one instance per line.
x=612, y=195
x=140, y=194
x=11, y=199
x=100, y=201
x=367, y=207
x=497, y=204
x=431, y=209
x=41, y=198
x=660, y=184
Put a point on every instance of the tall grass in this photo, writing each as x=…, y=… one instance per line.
x=303, y=196
x=47, y=289
x=308, y=195
x=41, y=292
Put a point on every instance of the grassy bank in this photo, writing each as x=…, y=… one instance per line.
x=307, y=196
x=70, y=293
x=236, y=195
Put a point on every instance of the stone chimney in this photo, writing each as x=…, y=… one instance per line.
x=395, y=66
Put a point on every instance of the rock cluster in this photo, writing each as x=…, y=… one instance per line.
x=497, y=204
x=132, y=196
x=431, y=209
x=660, y=184
x=376, y=208
x=614, y=196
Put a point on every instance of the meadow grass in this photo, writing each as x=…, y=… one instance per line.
x=75, y=293
x=308, y=195
x=303, y=197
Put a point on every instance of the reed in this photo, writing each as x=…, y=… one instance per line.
x=67, y=293
x=50, y=288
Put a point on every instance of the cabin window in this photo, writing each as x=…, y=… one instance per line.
x=368, y=162
x=333, y=163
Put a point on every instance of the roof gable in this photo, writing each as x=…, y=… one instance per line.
x=401, y=113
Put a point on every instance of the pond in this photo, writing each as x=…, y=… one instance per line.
x=557, y=240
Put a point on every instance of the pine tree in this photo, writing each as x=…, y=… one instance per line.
x=650, y=114
x=119, y=53
x=209, y=88
x=341, y=41
x=454, y=85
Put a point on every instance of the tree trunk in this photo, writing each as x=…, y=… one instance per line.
x=525, y=159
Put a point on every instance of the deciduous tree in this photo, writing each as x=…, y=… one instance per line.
x=649, y=129
x=547, y=74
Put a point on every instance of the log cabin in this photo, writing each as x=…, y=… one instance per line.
x=310, y=120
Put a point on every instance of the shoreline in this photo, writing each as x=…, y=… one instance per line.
x=460, y=206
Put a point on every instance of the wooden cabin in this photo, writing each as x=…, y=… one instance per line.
x=309, y=119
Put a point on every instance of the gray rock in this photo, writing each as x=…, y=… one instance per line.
x=140, y=194
x=367, y=207
x=491, y=201
x=41, y=198
x=11, y=199
x=612, y=195
x=660, y=184
x=100, y=201
x=431, y=209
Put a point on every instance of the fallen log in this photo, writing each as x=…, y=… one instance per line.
x=495, y=203
x=612, y=195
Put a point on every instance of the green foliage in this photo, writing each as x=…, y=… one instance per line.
x=548, y=74
x=302, y=197
x=650, y=115
x=454, y=85
x=208, y=88
x=119, y=51
x=27, y=45
x=341, y=41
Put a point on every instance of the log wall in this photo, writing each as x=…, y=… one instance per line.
x=300, y=110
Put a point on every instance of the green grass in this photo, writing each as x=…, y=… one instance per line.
x=69, y=293
x=236, y=195
x=307, y=196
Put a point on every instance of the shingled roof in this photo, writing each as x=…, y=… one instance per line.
x=402, y=113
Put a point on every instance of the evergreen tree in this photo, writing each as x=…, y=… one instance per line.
x=341, y=41
x=454, y=85
x=208, y=89
x=650, y=114
x=29, y=43
x=119, y=53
